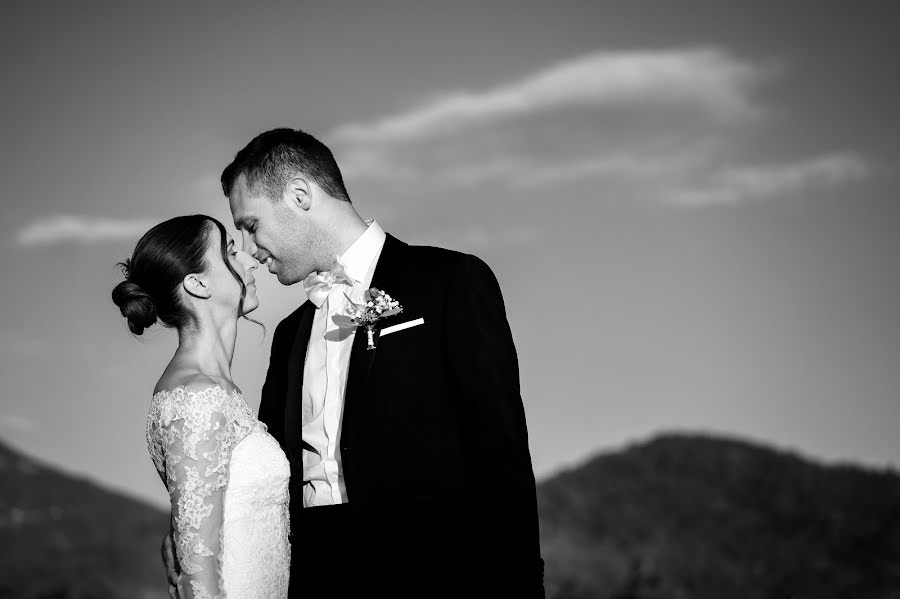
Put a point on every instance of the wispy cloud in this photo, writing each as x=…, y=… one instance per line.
x=707, y=77
x=606, y=114
x=61, y=229
x=521, y=173
x=746, y=183
x=673, y=125
x=14, y=423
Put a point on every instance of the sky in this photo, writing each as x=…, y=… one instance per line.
x=692, y=208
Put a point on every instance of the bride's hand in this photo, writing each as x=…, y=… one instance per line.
x=171, y=564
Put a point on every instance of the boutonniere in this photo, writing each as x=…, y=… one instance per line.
x=376, y=304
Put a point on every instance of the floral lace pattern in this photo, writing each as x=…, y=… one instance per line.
x=191, y=435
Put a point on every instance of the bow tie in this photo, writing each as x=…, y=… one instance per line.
x=318, y=284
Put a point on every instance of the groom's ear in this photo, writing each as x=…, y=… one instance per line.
x=297, y=194
x=196, y=286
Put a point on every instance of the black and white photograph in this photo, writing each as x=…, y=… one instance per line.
x=513, y=299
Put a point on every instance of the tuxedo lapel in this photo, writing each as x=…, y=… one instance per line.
x=296, y=363
x=362, y=360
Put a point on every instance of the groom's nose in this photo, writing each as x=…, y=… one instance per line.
x=249, y=244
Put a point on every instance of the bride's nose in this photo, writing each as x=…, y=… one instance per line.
x=250, y=262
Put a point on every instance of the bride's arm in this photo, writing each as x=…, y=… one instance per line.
x=170, y=563
x=198, y=447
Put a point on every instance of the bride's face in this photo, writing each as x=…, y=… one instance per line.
x=225, y=287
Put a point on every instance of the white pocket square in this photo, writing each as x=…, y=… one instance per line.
x=401, y=326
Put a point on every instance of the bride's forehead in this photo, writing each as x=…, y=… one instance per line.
x=215, y=238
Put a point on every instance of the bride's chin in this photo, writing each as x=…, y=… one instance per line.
x=251, y=301
x=249, y=307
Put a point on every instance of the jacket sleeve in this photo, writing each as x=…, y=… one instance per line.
x=485, y=369
x=272, y=398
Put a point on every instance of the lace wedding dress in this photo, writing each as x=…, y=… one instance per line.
x=228, y=483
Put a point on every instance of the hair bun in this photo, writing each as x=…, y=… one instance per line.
x=136, y=305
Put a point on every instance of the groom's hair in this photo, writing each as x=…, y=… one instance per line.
x=274, y=157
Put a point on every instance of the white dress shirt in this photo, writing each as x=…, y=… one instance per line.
x=325, y=375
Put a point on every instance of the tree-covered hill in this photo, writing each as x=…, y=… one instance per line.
x=715, y=518
x=62, y=537
x=680, y=516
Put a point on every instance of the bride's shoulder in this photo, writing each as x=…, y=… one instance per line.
x=191, y=383
x=174, y=396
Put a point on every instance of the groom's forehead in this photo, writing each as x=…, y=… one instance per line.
x=238, y=212
x=240, y=202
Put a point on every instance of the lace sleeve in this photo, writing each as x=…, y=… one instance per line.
x=197, y=445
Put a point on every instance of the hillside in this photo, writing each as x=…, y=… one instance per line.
x=712, y=518
x=687, y=517
x=66, y=538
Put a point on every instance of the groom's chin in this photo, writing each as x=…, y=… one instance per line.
x=287, y=279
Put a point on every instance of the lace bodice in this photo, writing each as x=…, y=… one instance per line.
x=196, y=438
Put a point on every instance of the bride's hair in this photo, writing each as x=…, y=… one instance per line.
x=162, y=258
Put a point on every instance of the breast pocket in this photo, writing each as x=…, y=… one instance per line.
x=400, y=327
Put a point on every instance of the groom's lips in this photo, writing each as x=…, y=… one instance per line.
x=267, y=261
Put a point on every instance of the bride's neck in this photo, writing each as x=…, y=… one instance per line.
x=209, y=345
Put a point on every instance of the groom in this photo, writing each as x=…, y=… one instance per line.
x=410, y=468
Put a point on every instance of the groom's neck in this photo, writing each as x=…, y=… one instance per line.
x=343, y=227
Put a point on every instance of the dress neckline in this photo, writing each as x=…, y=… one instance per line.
x=233, y=393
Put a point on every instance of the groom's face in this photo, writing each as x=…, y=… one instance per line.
x=271, y=233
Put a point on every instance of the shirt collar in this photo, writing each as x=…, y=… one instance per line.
x=359, y=256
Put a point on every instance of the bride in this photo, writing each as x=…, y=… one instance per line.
x=227, y=478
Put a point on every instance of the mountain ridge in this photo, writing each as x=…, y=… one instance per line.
x=11, y=450
x=700, y=434
x=64, y=536
x=679, y=515
x=706, y=516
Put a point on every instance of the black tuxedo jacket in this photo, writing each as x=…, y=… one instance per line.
x=433, y=442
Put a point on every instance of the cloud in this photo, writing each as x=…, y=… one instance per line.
x=61, y=229
x=679, y=126
x=14, y=423
x=603, y=115
x=745, y=183
x=706, y=77
x=522, y=173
